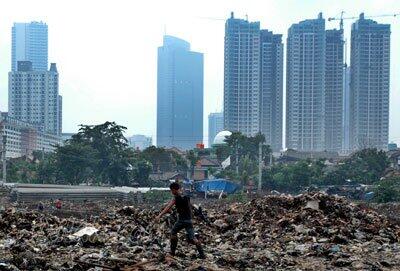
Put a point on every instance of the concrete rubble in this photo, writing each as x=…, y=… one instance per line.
x=305, y=232
x=42, y=192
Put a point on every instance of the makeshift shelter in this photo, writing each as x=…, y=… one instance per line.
x=216, y=186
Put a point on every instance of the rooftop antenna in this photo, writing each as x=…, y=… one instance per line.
x=247, y=17
x=341, y=20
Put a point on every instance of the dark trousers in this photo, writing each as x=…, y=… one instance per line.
x=188, y=226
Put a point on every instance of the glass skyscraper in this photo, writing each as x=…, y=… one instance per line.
x=179, y=95
x=30, y=43
x=215, y=125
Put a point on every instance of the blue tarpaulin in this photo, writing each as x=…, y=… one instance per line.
x=369, y=196
x=217, y=185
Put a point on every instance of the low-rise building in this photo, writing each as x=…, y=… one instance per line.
x=66, y=136
x=23, y=138
x=204, y=168
x=392, y=146
x=394, y=158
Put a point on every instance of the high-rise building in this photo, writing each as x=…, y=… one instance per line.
x=346, y=110
x=271, y=88
x=60, y=110
x=242, y=76
x=215, y=125
x=140, y=142
x=30, y=43
x=33, y=97
x=370, y=83
x=334, y=90
x=179, y=95
x=305, y=85
x=253, y=81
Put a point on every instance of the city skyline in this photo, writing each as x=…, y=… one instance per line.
x=88, y=95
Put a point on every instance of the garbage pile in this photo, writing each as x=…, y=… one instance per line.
x=305, y=232
x=391, y=210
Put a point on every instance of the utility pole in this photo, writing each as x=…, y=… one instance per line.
x=259, y=166
x=4, y=159
x=237, y=158
x=270, y=160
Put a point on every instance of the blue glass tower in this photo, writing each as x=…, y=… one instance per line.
x=179, y=95
x=215, y=125
x=30, y=43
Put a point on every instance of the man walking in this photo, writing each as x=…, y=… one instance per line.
x=184, y=208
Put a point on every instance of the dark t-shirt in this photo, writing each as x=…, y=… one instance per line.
x=182, y=204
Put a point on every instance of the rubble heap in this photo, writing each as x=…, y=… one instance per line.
x=306, y=232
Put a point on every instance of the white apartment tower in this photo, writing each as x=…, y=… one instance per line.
x=33, y=97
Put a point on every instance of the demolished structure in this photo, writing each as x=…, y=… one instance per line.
x=305, y=232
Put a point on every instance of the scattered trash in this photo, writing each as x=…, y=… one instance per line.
x=313, y=204
x=311, y=231
x=85, y=231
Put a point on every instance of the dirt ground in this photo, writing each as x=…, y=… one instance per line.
x=307, y=232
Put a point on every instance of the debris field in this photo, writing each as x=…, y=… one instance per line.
x=306, y=232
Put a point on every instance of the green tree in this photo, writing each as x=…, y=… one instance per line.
x=247, y=170
x=365, y=166
x=247, y=149
x=48, y=170
x=388, y=190
x=164, y=160
x=223, y=151
x=96, y=154
x=192, y=157
x=142, y=171
x=300, y=174
x=294, y=177
x=110, y=151
x=76, y=163
x=21, y=170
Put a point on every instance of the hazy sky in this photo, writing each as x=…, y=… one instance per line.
x=106, y=51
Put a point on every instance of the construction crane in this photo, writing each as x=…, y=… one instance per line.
x=341, y=18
